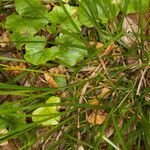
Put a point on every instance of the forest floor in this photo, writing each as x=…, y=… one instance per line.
x=98, y=100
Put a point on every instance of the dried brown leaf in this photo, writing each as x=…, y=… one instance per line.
x=16, y=69
x=58, y=70
x=2, y=132
x=50, y=80
x=97, y=117
x=94, y=102
x=99, y=45
x=5, y=39
x=104, y=92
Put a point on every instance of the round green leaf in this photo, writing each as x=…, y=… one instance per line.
x=36, y=53
x=46, y=114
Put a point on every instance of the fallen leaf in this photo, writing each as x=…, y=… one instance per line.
x=145, y=19
x=2, y=132
x=81, y=148
x=19, y=69
x=94, y=102
x=104, y=92
x=109, y=49
x=50, y=80
x=5, y=39
x=117, y=55
x=130, y=28
x=131, y=60
x=99, y=45
x=97, y=117
x=56, y=81
x=15, y=69
x=62, y=69
x=110, y=131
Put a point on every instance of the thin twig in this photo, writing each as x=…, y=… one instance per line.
x=140, y=83
x=80, y=101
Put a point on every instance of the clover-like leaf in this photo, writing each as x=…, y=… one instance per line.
x=45, y=115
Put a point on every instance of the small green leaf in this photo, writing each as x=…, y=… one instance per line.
x=67, y=40
x=107, y=10
x=11, y=119
x=70, y=50
x=20, y=39
x=47, y=113
x=53, y=99
x=47, y=119
x=3, y=123
x=30, y=8
x=99, y=11
x=83, y=15
x=36, y=52
x=24, y=25
x=66, y=54
x=67, y=25
x=32, y=17
x=134, y=6
x=52, y=29
x=69, y=56
x=61, y=81
x=57, y=15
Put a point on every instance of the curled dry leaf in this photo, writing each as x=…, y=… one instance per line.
x=65, y=94
x=117, y=55
x=81, y=148
x=131, y=60
x=2, y=132
x=109, y=49
x=104, y=92
x=99, y=45
x=94, y=102
x=109, y=131
x=58, y=70
x=16, y=70
x=97, y=117
x=5, y=39
x=50, y=80
x=130, y=28
x=145, y=20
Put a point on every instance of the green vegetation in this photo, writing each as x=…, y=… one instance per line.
x=75, y=74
